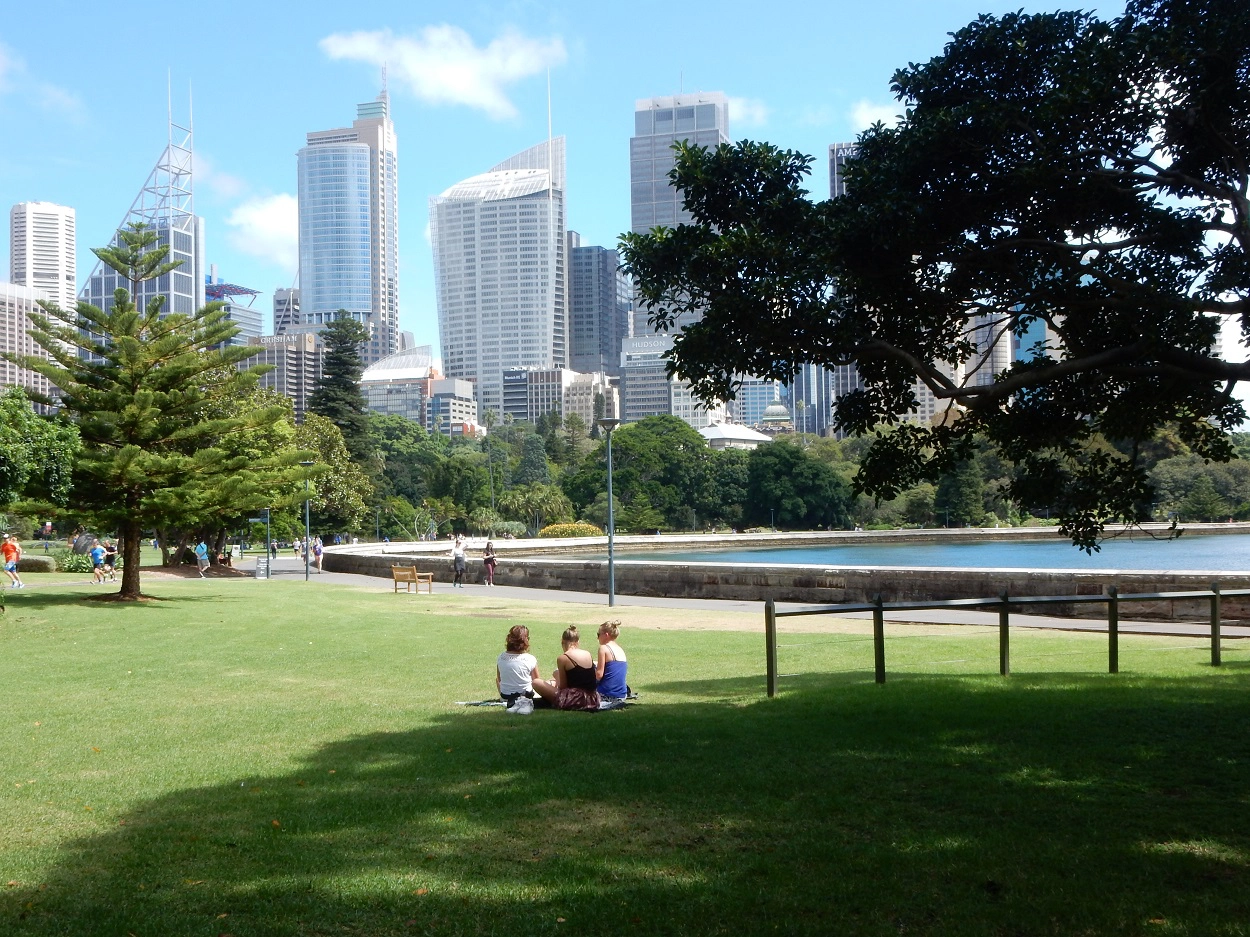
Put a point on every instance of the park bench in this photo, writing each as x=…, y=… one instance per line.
x=409, y=577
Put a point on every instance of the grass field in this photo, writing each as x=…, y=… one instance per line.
x=254, y=758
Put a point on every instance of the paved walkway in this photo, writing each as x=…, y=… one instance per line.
x=289, y=568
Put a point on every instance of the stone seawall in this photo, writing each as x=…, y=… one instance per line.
x=819, y=584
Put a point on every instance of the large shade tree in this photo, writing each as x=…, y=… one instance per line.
x=143, y=397
x=1046, y=169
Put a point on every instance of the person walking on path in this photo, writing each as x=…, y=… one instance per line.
x=489, y=560
x=458, y=562
x=11, y=550
x=273, y=549
x=201, y=557
x=318, y=549
x=110, y=561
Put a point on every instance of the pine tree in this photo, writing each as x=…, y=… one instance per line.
x=143, y=398
x=338, y=397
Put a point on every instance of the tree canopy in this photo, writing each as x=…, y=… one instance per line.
x=1051, y=169
x=337, y=396
x=147, y=399
x=36, y=454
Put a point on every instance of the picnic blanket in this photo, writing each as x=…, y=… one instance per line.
x=604, y=705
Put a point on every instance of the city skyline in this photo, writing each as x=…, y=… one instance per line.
x=466, y=83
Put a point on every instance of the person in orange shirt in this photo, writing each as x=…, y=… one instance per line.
x=12, y=552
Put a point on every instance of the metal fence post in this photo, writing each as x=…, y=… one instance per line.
x=1215, y=624
x=878, y=637
x=1113, y=630
x=1004, y=639
x=770, y=645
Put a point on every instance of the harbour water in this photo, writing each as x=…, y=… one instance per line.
x=1225, y=553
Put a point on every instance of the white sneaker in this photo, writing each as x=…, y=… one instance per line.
x=522, y=706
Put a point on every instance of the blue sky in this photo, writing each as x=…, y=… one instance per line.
x=83, y=100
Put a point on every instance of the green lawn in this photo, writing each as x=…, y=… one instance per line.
x=255, y=758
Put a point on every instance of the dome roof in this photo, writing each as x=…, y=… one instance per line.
x=775, y=412
x=410, y=364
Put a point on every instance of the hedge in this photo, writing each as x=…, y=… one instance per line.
x=36, y=564
x=579, y=529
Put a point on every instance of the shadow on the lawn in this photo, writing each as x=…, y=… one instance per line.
x=962, y=806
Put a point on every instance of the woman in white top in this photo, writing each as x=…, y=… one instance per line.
x=516, y=670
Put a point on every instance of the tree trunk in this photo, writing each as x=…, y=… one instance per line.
x=131, y=532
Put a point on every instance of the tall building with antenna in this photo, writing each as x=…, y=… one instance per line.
x=349, y=227
x=166, y=205
x=500, y=270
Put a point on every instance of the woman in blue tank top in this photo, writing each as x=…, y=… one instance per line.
x=611, y=666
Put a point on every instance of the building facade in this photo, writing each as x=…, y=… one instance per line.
x=285, y=310
x=645, y=385
x=839, y=153
x=296, y=361
x=348, y=192
x=754, y=395
x=15, y=303
x=165, y=205
x=42, y=250
x=699, y=118
x=399, y=384
x=499, y=271
x=600, y=308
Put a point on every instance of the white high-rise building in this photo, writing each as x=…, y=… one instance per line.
x=15, y=304
x=699, y=118
x=499, y=271
x=349, y=227
x=42, y=246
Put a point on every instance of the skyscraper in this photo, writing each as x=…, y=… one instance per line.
x=499, y=270
x=700, y=118
x=349, y=226
x=600, y=303
x=42, y=249
x=16, y=302
x=165, y=204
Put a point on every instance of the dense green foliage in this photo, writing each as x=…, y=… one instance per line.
x=337, y=396
x=36, y=454
x=1048, y=170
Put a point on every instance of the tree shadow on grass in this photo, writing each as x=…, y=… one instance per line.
x=929, y=806
x=44, y=600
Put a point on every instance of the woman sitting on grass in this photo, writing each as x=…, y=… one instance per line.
x=611, y=666
x=574, y=686
x=516, y=670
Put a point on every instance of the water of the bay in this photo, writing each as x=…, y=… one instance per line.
x=1223, y=552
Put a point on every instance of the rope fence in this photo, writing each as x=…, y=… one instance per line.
x=1005, y=605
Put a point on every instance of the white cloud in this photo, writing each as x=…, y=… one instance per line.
x=16, y=77
x=10, y=65
x=865, y=113
x=748, y=112
x=441, y=64
x=267, y=227
x=222, y=184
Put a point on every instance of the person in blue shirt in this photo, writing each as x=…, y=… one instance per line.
x=201, y=557
x=97, y=561
x=611, y=667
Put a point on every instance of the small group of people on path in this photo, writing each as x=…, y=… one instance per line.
x=580, y=681
x=460, y=562
x=103, y=556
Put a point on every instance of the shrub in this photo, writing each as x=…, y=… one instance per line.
x=578, y=529
x=36, y=564
x=67, y=561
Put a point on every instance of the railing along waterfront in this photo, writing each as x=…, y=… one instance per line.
x=1005, y=604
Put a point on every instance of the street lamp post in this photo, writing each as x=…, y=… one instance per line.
x=307, y=526
x=608, y=424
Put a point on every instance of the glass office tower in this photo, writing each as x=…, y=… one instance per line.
x=700, y=118
x=348, y=227
x=499, y=271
